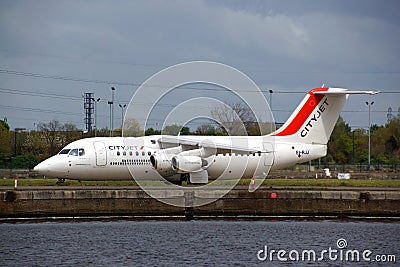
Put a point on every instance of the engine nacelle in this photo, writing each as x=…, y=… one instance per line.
x=162, y=163
x=187, y=164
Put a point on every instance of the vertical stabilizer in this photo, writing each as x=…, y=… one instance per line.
x=314, y=119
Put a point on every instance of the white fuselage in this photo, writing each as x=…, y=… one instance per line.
x=112, y=158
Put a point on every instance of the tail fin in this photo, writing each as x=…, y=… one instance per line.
x=314, y=119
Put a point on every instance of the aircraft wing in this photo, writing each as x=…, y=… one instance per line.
x=236, y=146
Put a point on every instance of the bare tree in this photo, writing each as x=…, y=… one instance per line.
x=70, y=133
x=132, y=128
x=51, y=132
x=236, y=119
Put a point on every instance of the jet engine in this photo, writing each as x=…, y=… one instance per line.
x=162, y=163
x=187, y=164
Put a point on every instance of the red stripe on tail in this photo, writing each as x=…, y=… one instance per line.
x=304, y=113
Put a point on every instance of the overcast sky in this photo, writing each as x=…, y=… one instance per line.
x=51, y=52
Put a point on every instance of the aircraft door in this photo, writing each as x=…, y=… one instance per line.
x=101, y=153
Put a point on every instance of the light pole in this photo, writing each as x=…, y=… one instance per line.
x=369, y=132
x=17, y=130
x=110, y=103
x=270, y=105
x=112, y=110
x=95, y=115
x=122, y=115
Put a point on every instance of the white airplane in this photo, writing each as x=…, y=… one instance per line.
x=196, y=159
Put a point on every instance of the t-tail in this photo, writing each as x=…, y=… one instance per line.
x=314, y=119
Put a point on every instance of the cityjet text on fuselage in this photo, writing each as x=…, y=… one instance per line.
x=314, y=118
x=122, y=147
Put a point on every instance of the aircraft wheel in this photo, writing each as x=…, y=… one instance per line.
x=185, y=178
x=60, y=181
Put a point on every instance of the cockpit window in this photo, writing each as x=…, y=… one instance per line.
x=76, y=152
x=73, y=152
x=64, y=151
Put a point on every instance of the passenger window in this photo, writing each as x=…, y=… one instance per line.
x=81, y=152
x=130, y=153
x=137, y=153
x=73, y=152
x=143, y=153
x=149, y=153
x=118, y=153
x=124, y=153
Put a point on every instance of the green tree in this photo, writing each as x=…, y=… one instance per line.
x=151, y=131
x=176, y=130
x=4, y=126
x=360, y=146
x=185, y=131
x=5, y=142
x=206, y=129
x=392, y=142
x=36, y=144
x=24, y=161
x=379, y=136
x=340, y=143
x=209, y=129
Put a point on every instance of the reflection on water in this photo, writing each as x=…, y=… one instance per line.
x=190, y=243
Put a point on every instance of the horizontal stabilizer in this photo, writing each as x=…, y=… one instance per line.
x=337, y=91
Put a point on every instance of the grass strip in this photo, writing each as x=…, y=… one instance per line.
x=270, y=182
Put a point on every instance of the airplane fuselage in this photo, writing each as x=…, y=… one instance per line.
x=302, y=138
x=110, y=158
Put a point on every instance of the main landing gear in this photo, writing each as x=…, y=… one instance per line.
x=60, y=181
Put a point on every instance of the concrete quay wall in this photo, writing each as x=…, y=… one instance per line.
x=238, y=202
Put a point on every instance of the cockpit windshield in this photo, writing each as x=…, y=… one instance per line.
x=77, y=152
x=64, y=151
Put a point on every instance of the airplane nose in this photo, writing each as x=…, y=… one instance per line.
x=51, y=167
x=43, y=168
x=39, y=168
x=36, y=168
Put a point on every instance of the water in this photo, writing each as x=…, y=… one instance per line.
x=193, y=243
